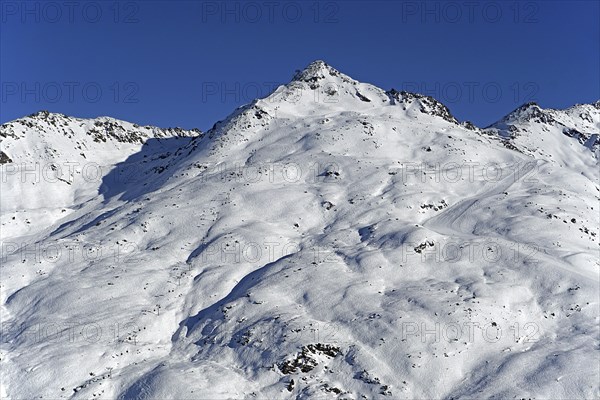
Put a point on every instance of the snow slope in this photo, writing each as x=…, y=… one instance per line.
x=330, y=240
x=52, y=156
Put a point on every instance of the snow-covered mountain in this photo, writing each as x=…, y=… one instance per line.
x=332, y=240
x=565, y=137
x=52, y=163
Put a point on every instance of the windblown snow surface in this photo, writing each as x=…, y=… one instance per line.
x=332, y=240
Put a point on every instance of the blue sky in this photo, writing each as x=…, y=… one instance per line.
x=190, y=63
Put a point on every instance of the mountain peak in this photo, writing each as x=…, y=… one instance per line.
x=319, y=64
x=45, y=114
x=317, y=71
x=529, y=104
x=528, y=112
x=526, y=109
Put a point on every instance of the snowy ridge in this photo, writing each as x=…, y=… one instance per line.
x=331, y=240
x=49, y=155
x=560, y=135
x=40, y=136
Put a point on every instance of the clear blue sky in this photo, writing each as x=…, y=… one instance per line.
x=190, y=63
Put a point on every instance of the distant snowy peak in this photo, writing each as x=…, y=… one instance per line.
x=101, y=128
x=46, y=136
x=534, y=129
x=528, y=112
x=585, y=116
